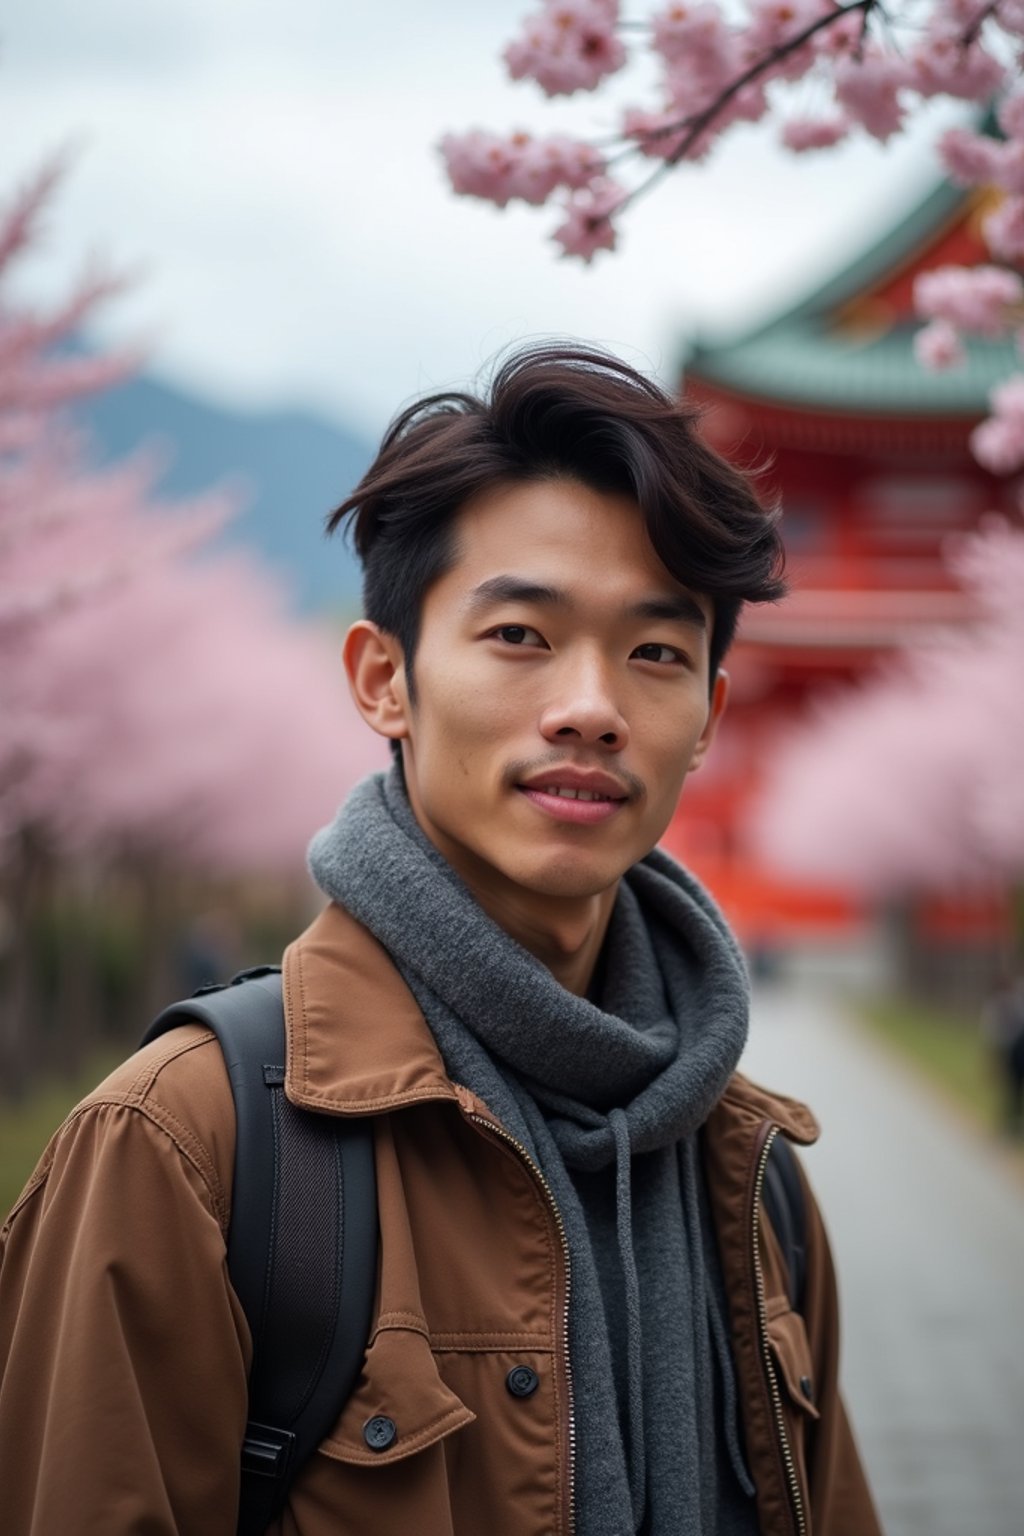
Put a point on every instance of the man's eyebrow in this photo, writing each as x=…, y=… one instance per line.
x=679, y=608
x=515, y=589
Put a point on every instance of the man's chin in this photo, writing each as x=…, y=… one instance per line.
x=571, y=880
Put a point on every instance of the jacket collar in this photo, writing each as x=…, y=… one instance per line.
x=749, y=1103
x=358, y=1042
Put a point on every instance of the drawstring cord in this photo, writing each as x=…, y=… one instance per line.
x=637, y=1461
x=701, y=1239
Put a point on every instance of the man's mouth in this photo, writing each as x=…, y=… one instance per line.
x=572, y=794
x=582, y=807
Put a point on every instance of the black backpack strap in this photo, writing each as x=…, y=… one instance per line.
x=784, y=1201
x=302, y=1242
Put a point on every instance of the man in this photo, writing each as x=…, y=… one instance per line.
x=582, y=1320
x=1002, y=1028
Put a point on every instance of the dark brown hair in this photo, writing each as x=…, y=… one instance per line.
x=559, y=411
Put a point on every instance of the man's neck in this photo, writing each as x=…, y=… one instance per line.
x=565, y=936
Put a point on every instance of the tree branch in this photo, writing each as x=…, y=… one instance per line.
x=697, y=124
x=974, y=30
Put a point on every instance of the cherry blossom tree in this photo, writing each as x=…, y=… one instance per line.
x=143, y=693
x=912, y=781
x=160, y=711
x=719, y=63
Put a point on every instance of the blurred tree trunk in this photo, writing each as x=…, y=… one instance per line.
x=76, y=1002
x=157, y=898
x=27, y=886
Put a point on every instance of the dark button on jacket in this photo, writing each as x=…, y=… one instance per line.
x=522, y=1381
x=379, y=1432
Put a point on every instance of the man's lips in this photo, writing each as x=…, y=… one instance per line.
x=585, y=799
x=583, y=812
x=585, y=783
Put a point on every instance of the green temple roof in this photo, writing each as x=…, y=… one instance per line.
x=817, y=356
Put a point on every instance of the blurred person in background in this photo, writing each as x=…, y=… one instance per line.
x=586, y=1317
x=1002, y=1025
x=209, y=951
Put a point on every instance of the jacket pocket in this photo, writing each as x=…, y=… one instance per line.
x=791, y=1352
x=400, y=1404
x=791, y=1357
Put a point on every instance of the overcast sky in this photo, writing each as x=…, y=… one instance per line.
x=269, y=168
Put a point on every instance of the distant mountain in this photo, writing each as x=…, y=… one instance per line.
x=294, y=467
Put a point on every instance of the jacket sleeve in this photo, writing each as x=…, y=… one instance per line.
x=841, y=1501
x=122, y=1347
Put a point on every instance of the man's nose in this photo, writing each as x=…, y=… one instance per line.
x=584, y=708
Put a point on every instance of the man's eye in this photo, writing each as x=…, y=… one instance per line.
x=518, y=634
x=655, y=652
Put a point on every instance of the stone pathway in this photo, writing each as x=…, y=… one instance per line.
x=927, y=1223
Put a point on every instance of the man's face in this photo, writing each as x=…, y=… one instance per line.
x=562, y=693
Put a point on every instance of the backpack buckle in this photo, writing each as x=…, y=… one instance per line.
x=266, y=1450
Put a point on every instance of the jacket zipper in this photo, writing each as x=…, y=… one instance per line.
x=762, y=1315
x=498, y=1130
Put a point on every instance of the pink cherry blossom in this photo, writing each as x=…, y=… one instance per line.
x=748, y=105
x=683, y=33
x=938, y=346
x=879, y=65
x=520, y=166
x=973, y=298
x=571, y=45
x=998, y=443
x=805, y=133
x=657, y=133
x=960, y=16
x=478, y=164
x=20, y=219
x=1004, y=229
x=998, y=446
x=941, y=65
x=588, y=227
x=969, y=158
x=577, y=162
x=145, y=697
x=842, y=37
x=773, y=24
x=703, y=83
x=973, y=160
x=720, y=64
x=869, y=90
x=1009, y=166
x=1011, y=115
x=912, y=779
x=34, y=373
x=532, y=173
x=703, y=57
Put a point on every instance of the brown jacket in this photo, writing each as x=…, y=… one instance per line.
x=124, y=1352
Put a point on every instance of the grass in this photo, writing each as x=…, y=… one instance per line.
x=946, y=1046
x=26, y=1127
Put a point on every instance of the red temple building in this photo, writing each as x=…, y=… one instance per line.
x=870, y=456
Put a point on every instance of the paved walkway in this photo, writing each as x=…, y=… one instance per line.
x=927, y=1224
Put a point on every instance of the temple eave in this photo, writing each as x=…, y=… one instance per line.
x=733, y=416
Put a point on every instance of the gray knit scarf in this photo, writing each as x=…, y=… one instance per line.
x=607, y=1100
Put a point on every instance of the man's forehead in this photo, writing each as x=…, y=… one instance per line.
x=573, y=545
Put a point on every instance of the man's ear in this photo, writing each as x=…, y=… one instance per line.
x=719, y=697
x=375, y=667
